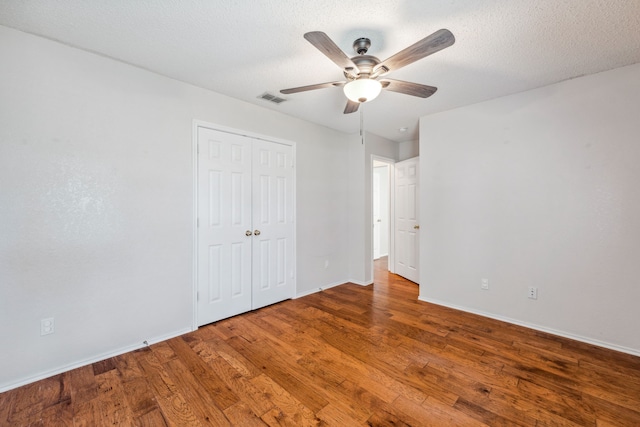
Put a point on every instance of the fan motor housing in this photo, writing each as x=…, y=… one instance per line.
x=365, y=64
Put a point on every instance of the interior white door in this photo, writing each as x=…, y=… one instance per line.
x=273, y=223
x=377, y=215
x=406, y=219
x=385, y=196
x=381, y=211
x=224, y=217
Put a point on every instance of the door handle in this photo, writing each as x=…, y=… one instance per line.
x=379, y=220
x=248, y=233
x=416, y=227
x=256, y=233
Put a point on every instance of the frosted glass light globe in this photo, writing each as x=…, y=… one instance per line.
x=362, y=90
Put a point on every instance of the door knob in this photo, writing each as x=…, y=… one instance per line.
x=248, y=233
x=416, y=227
x=256, y=233
x=379, y=220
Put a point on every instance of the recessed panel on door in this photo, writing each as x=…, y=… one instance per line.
x=264, y=271
x=264, y=191
x=214, y=272
x=281, y=200
x=281, y=262
x=238, y=266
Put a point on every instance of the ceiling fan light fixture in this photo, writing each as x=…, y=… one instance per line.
x=362, y=90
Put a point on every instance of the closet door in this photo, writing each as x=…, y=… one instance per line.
x=246, y=231
x=224, y=217
x=273, y=223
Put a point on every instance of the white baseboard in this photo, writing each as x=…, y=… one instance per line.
x=81, y=363
x=315, y=290
x=356, y=282
x=331, y=285
x=551, y=331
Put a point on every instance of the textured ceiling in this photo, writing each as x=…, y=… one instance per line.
x=244, y=48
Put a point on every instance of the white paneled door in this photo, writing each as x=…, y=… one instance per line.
x=380, y=209
x=245, y=224
x=377, y=215
x=407, y=229
x=273, y=223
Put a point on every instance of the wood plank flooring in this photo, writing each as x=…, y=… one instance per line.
x=347, y=356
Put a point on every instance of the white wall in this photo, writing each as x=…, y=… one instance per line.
x=538, y=189
x=360, y=199
x=96, y=196
x=408, y=150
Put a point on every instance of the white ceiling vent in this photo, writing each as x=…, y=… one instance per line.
x=271, y=98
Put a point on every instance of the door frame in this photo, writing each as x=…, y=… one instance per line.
x=194, y=214
x=391, y=164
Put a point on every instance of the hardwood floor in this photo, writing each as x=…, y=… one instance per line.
x=347, y=356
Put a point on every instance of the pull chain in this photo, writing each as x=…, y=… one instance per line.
x=362, y=124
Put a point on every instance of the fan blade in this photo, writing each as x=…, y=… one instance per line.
x=408, y=88
x=312, y=87
x=425, y=47
x=324, y=44
x=351, y=107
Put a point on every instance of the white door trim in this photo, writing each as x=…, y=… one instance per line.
x=194, y=164
x=391, y=163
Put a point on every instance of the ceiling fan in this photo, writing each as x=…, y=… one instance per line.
x=363, y=72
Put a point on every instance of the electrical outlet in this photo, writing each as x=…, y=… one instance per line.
x=46, y=326
x=533, y=292
x=484, y=284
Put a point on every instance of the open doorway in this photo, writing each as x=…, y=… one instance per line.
x=382, y=214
